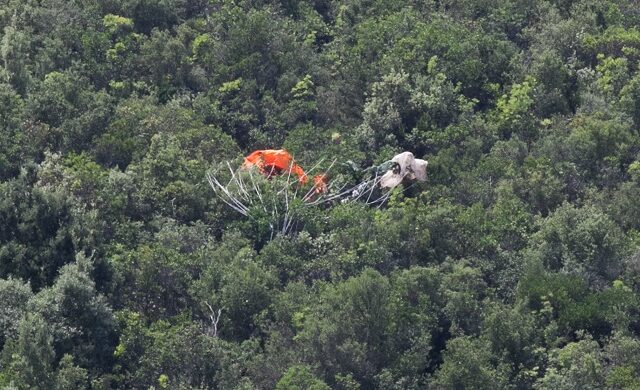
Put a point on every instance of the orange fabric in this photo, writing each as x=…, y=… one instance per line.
x=274, y=161
x=320, y=184
x=302, y=177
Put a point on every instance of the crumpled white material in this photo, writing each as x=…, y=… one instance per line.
x=410, y=168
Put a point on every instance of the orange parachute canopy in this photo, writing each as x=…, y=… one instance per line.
x=275, y=162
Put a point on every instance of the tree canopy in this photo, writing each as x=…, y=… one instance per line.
x=516, y=265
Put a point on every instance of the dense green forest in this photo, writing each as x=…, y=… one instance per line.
x=515, y=266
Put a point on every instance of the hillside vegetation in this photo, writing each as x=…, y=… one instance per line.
x=515, y=266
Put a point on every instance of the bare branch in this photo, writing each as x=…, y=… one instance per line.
x=214, y=317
